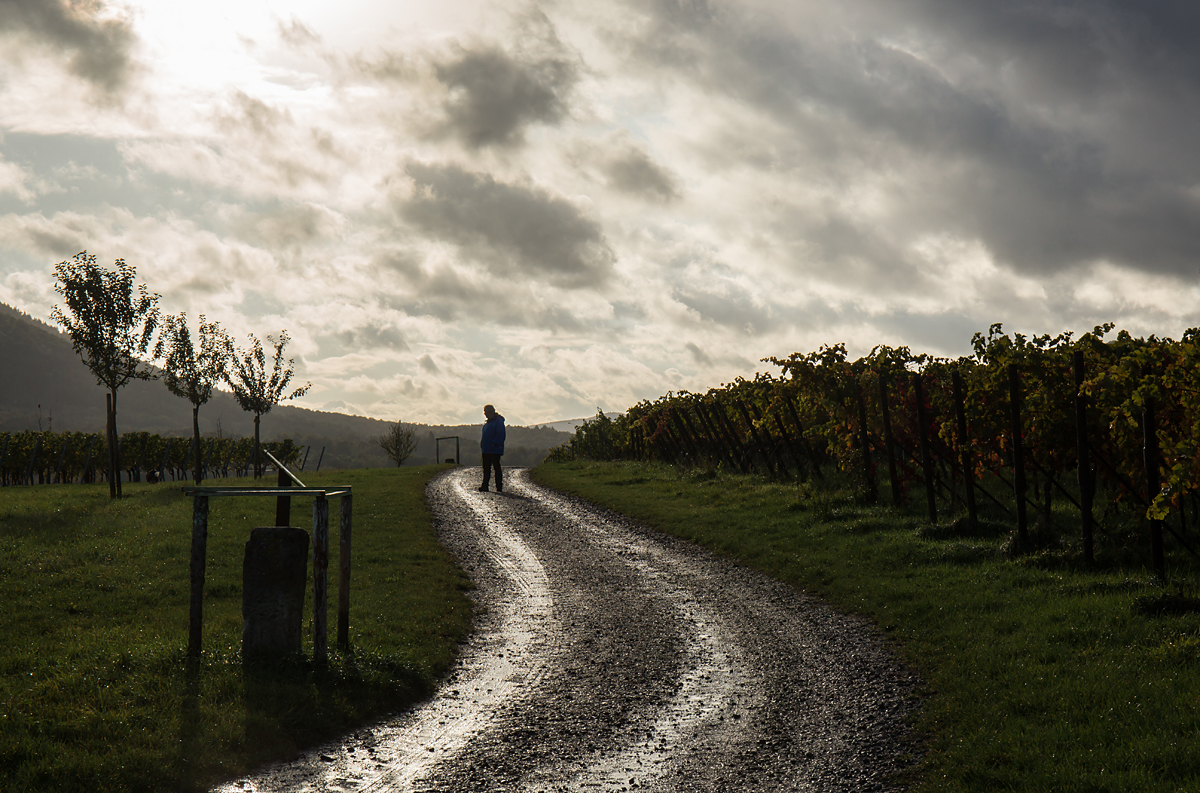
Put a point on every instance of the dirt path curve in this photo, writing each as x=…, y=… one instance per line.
x=609, y=657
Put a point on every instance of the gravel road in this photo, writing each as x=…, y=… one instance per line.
x=609, y=657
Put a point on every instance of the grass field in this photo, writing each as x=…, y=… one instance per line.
x=95, y=691
x=1040, y=675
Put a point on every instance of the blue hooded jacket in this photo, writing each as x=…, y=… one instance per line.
x=493, y=436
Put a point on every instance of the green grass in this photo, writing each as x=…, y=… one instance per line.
x=1040, y=675
x=95, y=691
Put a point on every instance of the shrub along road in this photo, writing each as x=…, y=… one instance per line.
x=608, y=656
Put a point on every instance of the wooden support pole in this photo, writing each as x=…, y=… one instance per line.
x=320, y=549
x=110, y=432
x=1083, y=452
x=87, y=461
x=62, y=455
x=1150, y=457
x=1018, y=451
x=964, y=448
x=343, y=620
x=772, y=448
x=37, y=445
x=889, y=441
x=199, y=552
x=864, y=444
x=926, y=455
x=754, y=436
x=283, y=504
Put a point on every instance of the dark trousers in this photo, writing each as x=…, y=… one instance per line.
x=491, y=461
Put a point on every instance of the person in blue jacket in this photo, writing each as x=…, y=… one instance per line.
x=492, y=446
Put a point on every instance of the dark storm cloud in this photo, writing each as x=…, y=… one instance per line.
x=289, y=226
x=698, y=355
x=517, y=231
x=1057, y=133
x=99, y=50
x=490, y=93
x=446, y=293
x=373, y=335
x=492, y=96
x=728, y=305
x=627, y=167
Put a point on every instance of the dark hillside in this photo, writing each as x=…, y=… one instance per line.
x=38, y=367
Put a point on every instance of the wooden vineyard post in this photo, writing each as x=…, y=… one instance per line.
x=1151, y=459
x=690, y=445
x=199, y=552
x=1084, y=471
x=62, y=455
x=283, y=504
x=926, y=455
x=87, y=462
x=791, y=445
x=762, y=447
x=1018, y=451
x=735, y=449
x=699, y=439
x=320, y=550
x=772, y=448
x=343, y=620
x=864, y=443
x=37, y=445
x=718, y=432
x=889, y=441
x=964, y=448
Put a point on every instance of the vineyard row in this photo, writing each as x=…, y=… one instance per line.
x=77, y=457
x=1103, y=425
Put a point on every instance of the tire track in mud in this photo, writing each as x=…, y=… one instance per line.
x=608, y=657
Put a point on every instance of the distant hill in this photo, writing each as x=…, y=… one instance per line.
x=44, y=385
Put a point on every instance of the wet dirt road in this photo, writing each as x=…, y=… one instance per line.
x=609, y=657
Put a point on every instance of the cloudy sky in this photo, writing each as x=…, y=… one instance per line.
x=562, y=206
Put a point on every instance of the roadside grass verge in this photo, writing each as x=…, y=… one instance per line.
x=1040, y=675
x=95, y=690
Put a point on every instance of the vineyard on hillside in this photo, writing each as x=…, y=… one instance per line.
x=47, y=457
x=1029, y=431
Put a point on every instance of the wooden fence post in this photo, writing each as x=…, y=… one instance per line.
x=1018, y=451
x=283, y=504
x=199, y=552
x=343, y=623
x=771, y=447
x=864, y=443
x=926, y=455
x=889, y=441
x=1084, y=472
x=964, y=448
x=1151, y=459
x=320, y=566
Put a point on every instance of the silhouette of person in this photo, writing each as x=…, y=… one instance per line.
x=492, y=446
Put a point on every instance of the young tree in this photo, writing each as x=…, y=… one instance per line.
x=110, y=324
x=399, y=442
x=253, y=389
x=191, y=374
